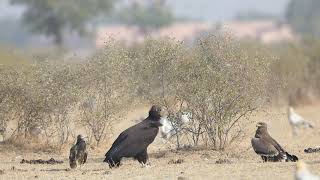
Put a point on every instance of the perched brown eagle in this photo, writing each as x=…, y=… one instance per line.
x=134, y=141
x=268, y=148
x=78, y=153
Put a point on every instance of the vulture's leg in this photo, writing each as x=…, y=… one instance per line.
x=114, y=162
x=85, y=156
x=142, y=157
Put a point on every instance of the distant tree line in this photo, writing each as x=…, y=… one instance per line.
x=304, y=16
x=54, y=18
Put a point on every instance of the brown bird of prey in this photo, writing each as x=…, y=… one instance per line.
x=78, y=153
x=268, y=148
x=134, y=141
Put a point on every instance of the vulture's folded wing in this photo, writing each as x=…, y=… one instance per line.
x=115, y=146
x=276, y=145
x=263, y=147
x=72, y=157
x=73, y=153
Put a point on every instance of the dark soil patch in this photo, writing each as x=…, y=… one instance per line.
x=40, y=161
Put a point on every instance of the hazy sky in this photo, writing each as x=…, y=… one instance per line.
x=218, y=10
x=212, y=10
x=7, y=10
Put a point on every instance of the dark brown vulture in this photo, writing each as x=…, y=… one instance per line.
x=268, y=148
x=78, y=153
x=134, y=141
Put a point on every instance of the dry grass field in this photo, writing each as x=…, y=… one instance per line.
x=243, y=163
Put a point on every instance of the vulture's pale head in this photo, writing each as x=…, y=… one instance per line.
x=262, y=129
x=262, y=125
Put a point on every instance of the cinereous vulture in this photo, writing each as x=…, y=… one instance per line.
x=134, y=141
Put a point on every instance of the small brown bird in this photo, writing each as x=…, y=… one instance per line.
x=268, y=148
x=78, y=153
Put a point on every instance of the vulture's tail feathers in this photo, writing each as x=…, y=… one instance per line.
x=105, y=160
x=292, y=158
x=108, y=156
x=112, y=159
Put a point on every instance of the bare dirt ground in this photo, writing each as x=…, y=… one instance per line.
x=201, y=164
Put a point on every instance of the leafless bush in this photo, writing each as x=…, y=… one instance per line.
x=227, y=84
x=9, y=91
x=46, y=92
x=156, y=74
x=97, y=120
x=291, y=71
x=106, y=90
x=217, y=80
